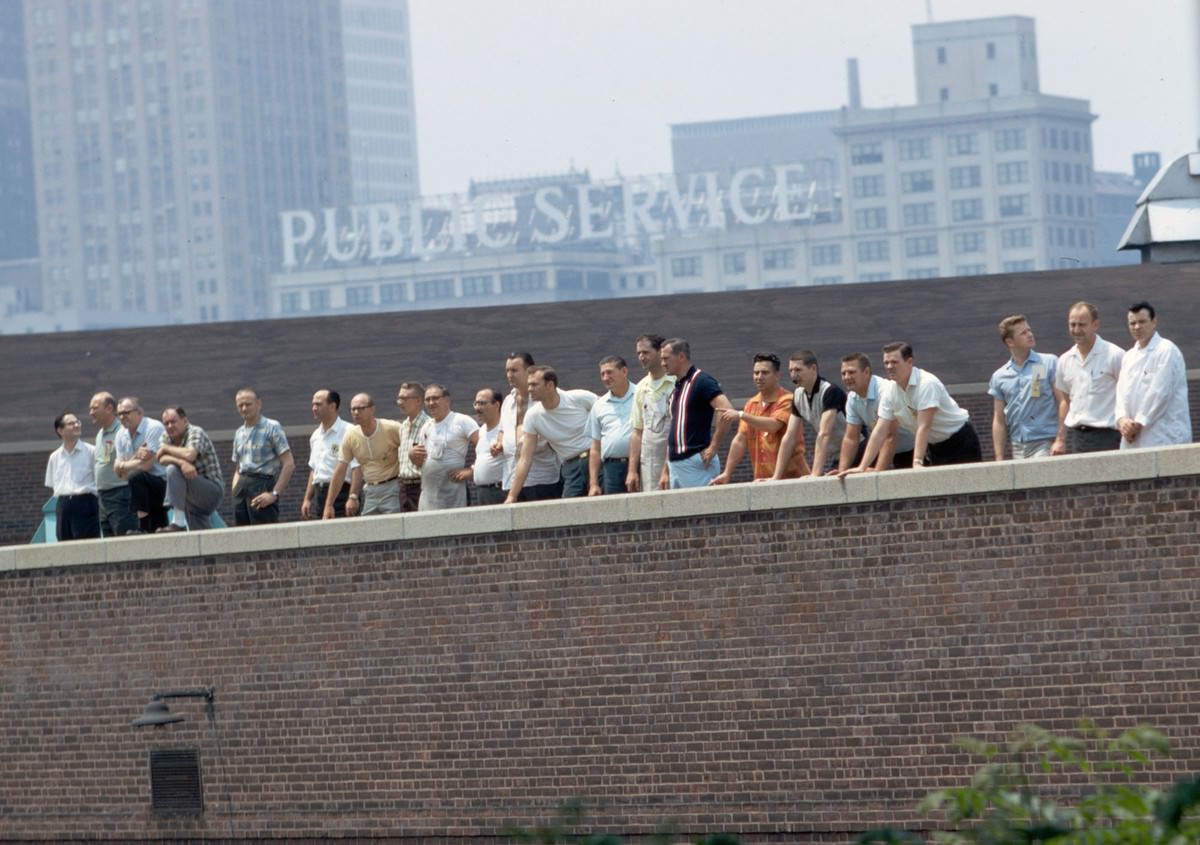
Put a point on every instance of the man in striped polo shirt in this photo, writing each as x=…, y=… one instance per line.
x=692, y=459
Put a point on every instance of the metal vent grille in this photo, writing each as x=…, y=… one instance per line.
x=175, y=781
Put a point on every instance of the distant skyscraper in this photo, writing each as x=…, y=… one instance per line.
x=168, y=136
x=18, y=207
x=379, y=96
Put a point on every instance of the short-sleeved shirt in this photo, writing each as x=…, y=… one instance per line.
x=1091, y=384
x=260, y=448
x=545, y=466
x=448, y=441
x=149, y=433
x=763, y=446
x=651, y=412
x=410, y=435
x=692, y=414
x=1027, y=391
x=325, y=448
x=207, y=464
x=378, y=455
x=825, y=396
x=925, y=390
x=565, y=426
x=72, y=473
x=609, y=423
x=864, y=412
x=106, y=457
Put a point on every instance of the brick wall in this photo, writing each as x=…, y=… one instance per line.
x=789, y=674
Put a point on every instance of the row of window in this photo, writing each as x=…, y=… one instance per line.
x=391, y=293
x=922, y=181
x=958, y=143
x=925, y=213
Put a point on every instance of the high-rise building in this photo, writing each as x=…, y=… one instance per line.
x=975, y=59
x=18, y=207
x=379, y=97
x=168, y=135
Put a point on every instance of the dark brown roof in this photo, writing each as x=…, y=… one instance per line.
x=950, y=322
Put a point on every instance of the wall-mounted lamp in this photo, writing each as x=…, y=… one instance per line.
x=157, y=714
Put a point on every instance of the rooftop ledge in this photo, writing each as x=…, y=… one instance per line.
x=995, y=477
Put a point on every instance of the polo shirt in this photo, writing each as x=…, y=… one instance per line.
x=692, y=414
x=825, y=396
x=609, y=422
x=325, y=449
x=925, y=390
x=864, y=412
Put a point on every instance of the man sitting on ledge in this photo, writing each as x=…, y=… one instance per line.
x=194, y=482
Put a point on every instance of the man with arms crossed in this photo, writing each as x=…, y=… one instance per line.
x=375, y=444
x=137, y=443
x=820, y=403
x=324, y=446
x=761, y=425
x=194, y=482
x=649, y=418
x=1152, y=391
x=560, y=418
x=1086, y=381
x=863, y=389
x=692, y=459
x=1025, y=402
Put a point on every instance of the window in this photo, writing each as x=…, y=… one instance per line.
x=961, y=210
x=971, y=270
x=970, y=176
x=779, y=259
x=528, y=280
x=289, y=303
x=921, y=245
x=434, y=289
x=965, y=242
x=867, y=186
x=866, y=219
x=872, y=250
x=991, y=50
x=916, y=181
x=826, y=254
x=1018, y=266
x=993, y=89
x=476, y=285
x=1016, y=205
x=1010, y=139
x=1012, y=173
x=686, y=267
x=923, y=273
x=915, y=149
x=391, y=293
x=1021, y=236
x=944, y=93
x=941, y=55
x=919, y=214
x=873, y=277
x=962, y=143
x=358, y=295
x=870, y=153
x=734, y=263
x=318, y=300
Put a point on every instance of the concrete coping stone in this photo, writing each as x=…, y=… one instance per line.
x=970, y=479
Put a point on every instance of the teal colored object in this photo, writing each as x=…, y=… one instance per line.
x=47, y=531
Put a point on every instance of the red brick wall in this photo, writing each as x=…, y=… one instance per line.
x=792, y=676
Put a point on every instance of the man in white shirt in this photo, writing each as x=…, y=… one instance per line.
x=488, y=470
x=441, y=452
x=863, y=390
x=650, y=417
x=71, y=474
x=544, y=480
x=1152, y=391
x=1087, y=385
x=324, y=451
x=560, y=418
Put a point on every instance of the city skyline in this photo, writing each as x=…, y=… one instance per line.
x=618, y=76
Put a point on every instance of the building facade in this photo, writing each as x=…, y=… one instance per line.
x=18, y=205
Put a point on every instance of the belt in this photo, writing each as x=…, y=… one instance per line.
x=582, y=456
x=324, y=485
x=255, y=475
x=616, y=460
x=1086, y=428
x=77, y=495
x=495, y=486
x=381, y=483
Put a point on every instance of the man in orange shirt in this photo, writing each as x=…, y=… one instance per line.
x=761, y=425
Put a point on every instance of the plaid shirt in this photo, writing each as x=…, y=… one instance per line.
x=409, y=437
x=258, y=449
x=206, y=463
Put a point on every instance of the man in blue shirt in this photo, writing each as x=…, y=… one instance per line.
x=264, y=463
x=610, y=430
x=1025, y=410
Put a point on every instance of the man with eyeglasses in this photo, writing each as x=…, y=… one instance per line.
x=411, y=399
x=488, y=469
x=375, y=444
x=441, y=452
x=137, y=446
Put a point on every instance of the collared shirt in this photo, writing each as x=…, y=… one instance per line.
x=325, y=449
x=378, y=455
x=1091, y=384
x=149, y=433
x=565, y=426
x=487, y=469
x=106, y=456
x=811, y=407
x=864, y=412
x=207, y=463
x=260, y=447
x=545, y=466
x=72, y=473
x=1027, y=391
x=410, y=434
x=1153, y=391
x=763, y=446
x=651, y=412
x=609, y=423
x=692, y=414
x=925, y=390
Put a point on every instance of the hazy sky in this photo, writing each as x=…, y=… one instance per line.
x=527, y=87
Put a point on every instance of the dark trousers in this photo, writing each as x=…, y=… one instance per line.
x=541, y=492
x=146, y=492
x=410, y=495
x=612, y=475
x=247, y=488
x=1084, y=438
x=489, y=494
x=575, y=477
x=77, y=517
x=321, y=491
x=962, y=447
x=116, y=515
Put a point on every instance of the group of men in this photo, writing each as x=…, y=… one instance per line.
x=541, y=441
